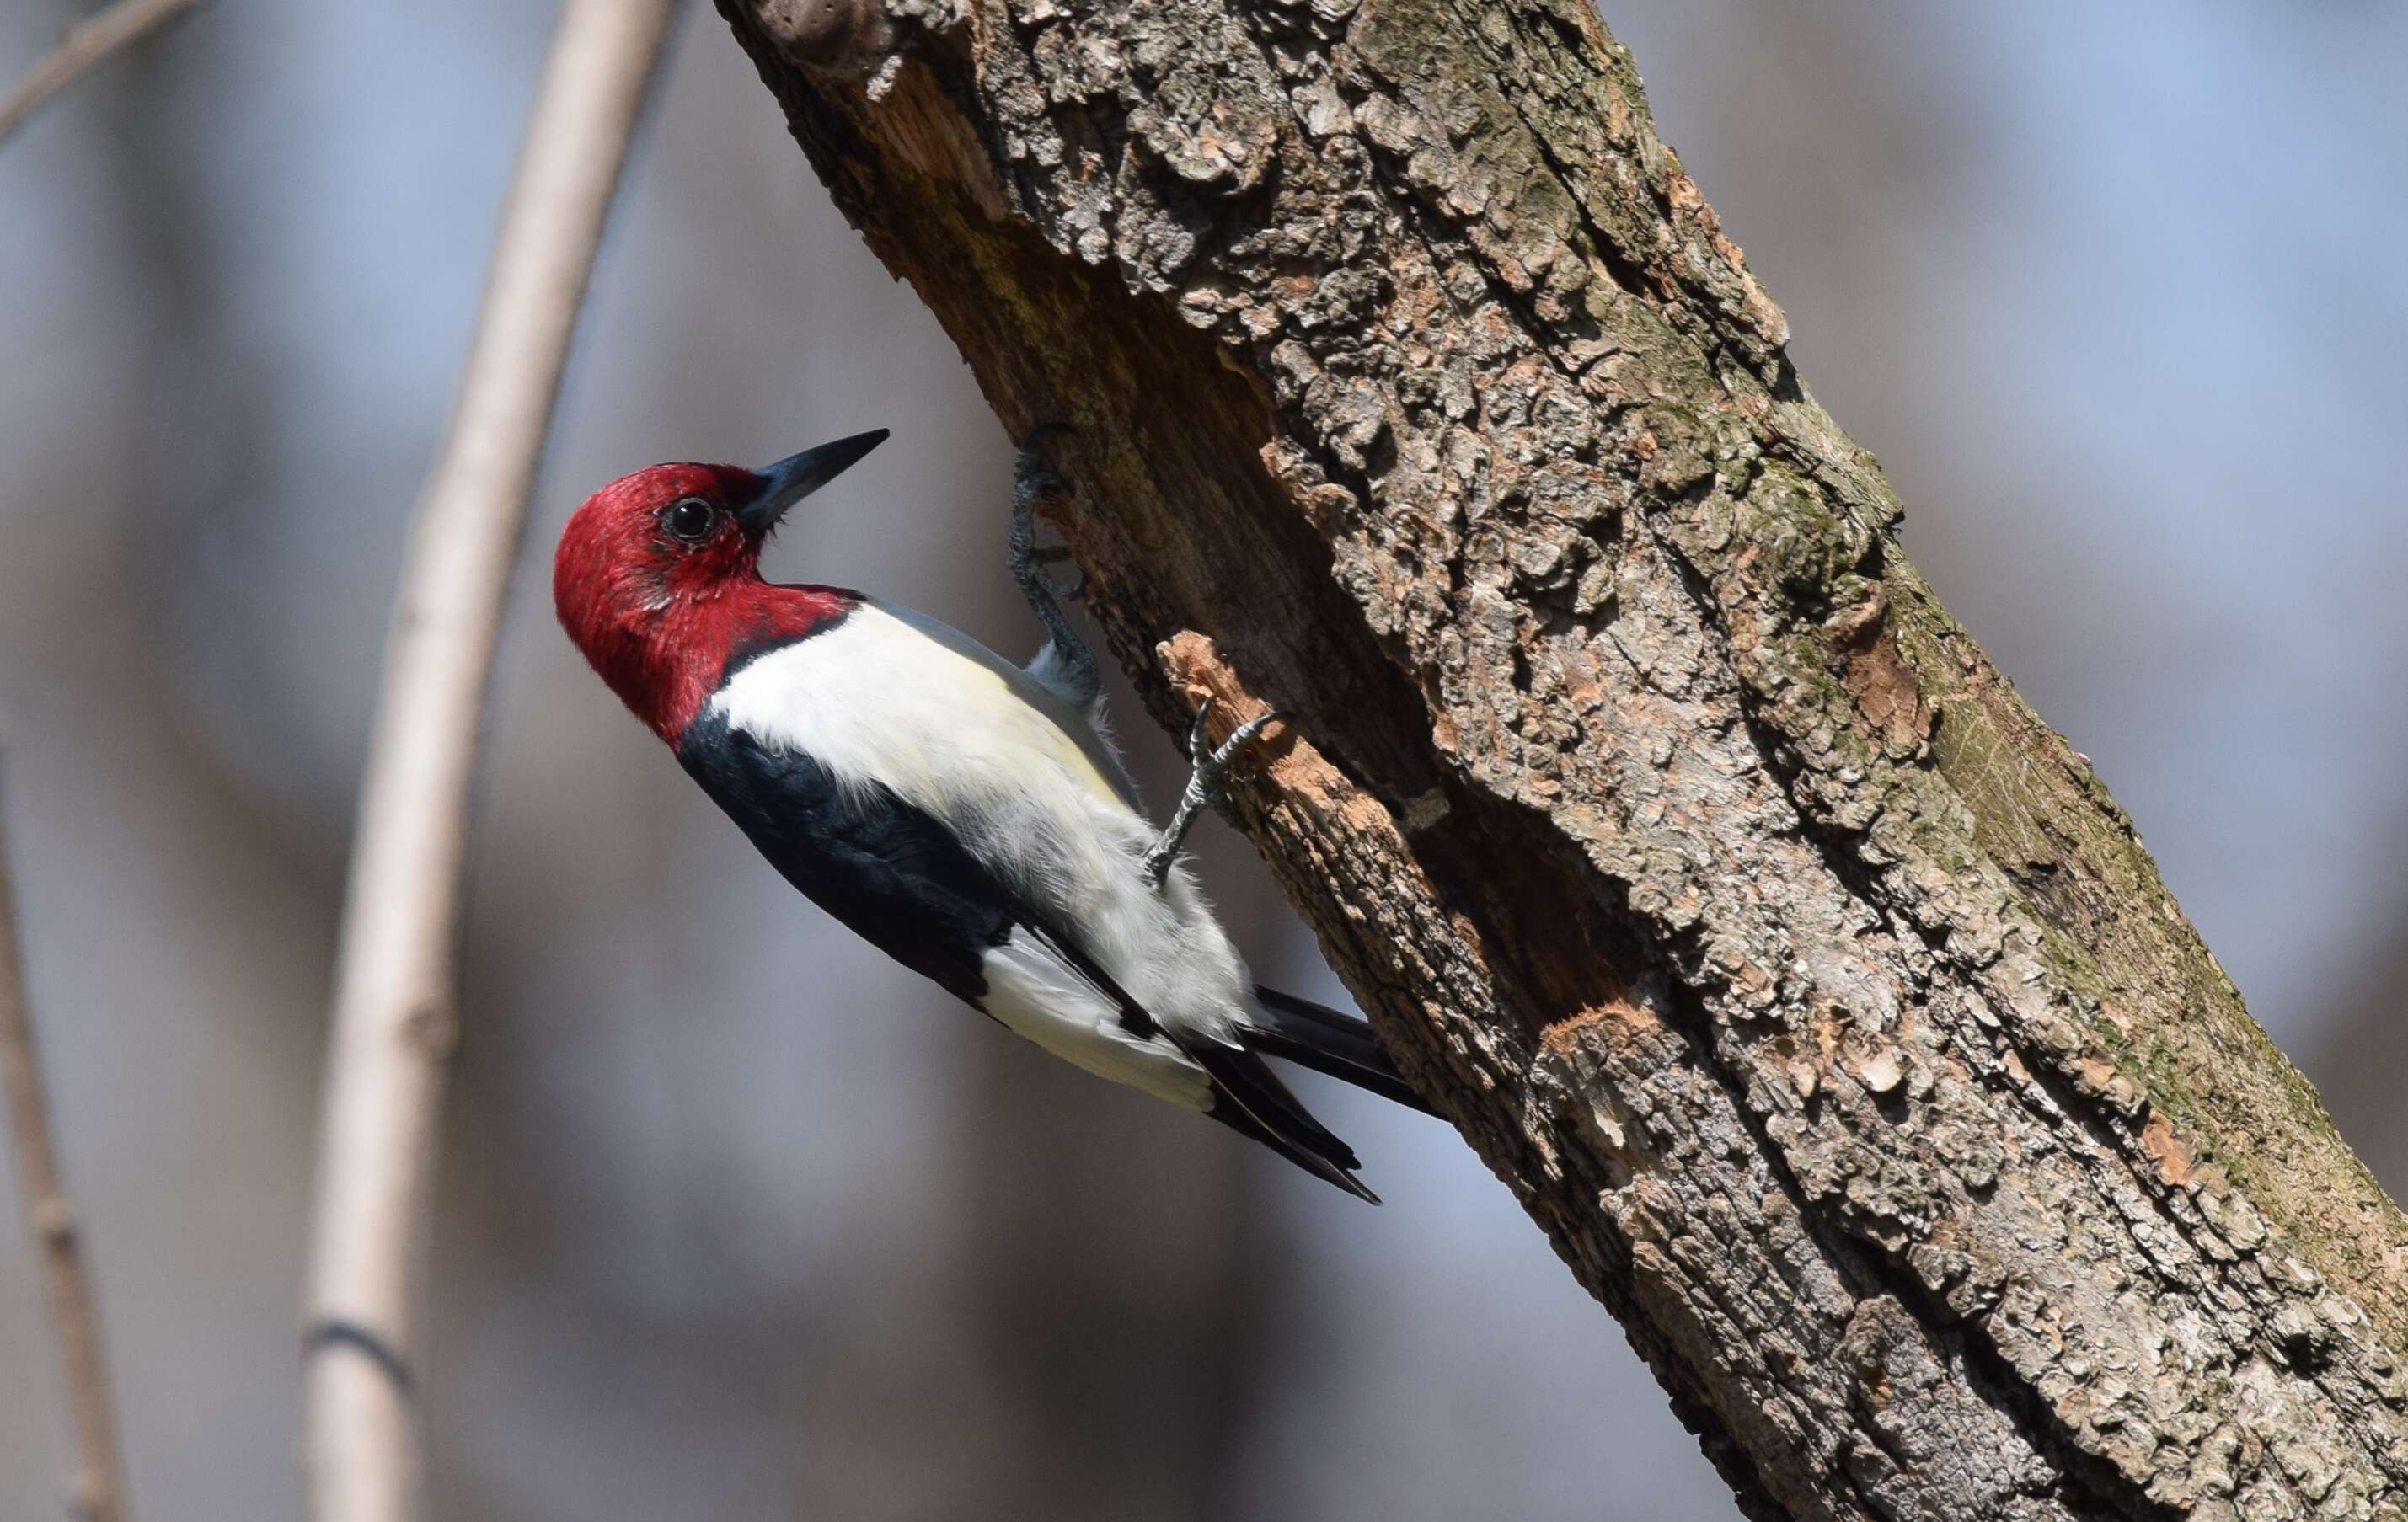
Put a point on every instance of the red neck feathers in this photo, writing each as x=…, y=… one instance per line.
x=659, y=587
x=665, y=667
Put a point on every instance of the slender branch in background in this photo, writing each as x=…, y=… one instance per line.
x=83, y=45
x=394, y=993
x=99, y=1490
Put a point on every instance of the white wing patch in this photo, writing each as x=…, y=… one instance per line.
x=874, y=698
x=878, y=699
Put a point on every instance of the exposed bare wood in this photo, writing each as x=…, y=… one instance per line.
x=1814, y=997
x=395, y=1004
x=86, y=43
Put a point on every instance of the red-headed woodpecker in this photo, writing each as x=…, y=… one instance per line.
x=962, y=814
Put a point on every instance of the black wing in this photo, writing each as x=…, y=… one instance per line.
x=1250, y=1099
x=899, y=879
x=1326, y=1041
x=1247, y=1096
x=886, y=871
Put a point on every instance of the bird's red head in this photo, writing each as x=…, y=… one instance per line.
x=657, y=577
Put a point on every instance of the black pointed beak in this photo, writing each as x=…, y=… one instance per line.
x=798, y=476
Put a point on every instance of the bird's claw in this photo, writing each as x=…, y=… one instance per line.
x=1212, y=762
x=1030, y=479
x=1027, y=485
x=1031, y=482
x=1209, y=765
x=1036, y=483
x=1049, y=555
x=1240, y=737
x=1215, y=766
x=1199, y=749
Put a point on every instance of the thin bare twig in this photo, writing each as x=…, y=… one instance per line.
x=395, y=995
x=99, y=1488
x=83, y=45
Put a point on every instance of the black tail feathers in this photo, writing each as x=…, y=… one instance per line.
x=1249, y=1099
x=1317, y=1037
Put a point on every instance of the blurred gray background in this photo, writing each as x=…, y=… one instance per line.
x=739, y=1221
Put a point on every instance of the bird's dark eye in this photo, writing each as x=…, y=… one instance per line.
x=690, y=519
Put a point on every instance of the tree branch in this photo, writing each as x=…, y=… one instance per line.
x=98, y=1491
x=84, y=44
x=1812, y=996
x=395, y=982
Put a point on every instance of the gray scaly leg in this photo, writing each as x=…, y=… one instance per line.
x=1065, y=665
x=1209, y=765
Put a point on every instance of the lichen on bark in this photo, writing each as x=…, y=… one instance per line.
x=1814, y=997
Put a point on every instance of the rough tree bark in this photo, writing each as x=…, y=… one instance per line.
x=1812, y=994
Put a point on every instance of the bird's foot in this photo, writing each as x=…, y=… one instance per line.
x=1209, y=764
x=1049, y=555
x=1065, y=665
x=1031, y=482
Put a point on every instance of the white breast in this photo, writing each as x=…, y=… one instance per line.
x=876, y=700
